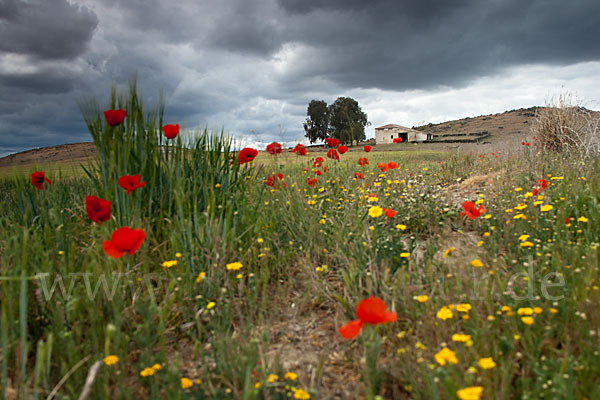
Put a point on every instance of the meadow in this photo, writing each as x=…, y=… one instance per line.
x=421, y=275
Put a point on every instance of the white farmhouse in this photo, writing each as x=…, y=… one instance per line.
x=387, y=134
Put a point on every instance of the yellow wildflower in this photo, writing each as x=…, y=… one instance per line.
x=375, y=212
x=546, y=207
x=147, y=372
x=523, y=237
x=291, y=376
x=486, y=363
x=446, y=356
x=460, y=337
x=272, y=378
x=300, y=394
x=444, y=313
x=463, y=307
x=476, y=263
x=527, y=320
x=422, y=298
x=169, y=264
x=582, y=219
x=111, y=359
x=200, y=277
x=526, y=244
x=234, y=266
x=404, y=255
x=470, y=393
x=525, y=311
x=401, y=227
x=186, y=383
x=448, y=251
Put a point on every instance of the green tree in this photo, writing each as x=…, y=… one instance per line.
x=316, y=125
x=347, y=121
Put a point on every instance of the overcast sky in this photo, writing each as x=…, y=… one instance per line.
x=251, y=67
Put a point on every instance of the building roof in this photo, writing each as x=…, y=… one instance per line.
x=388, y=126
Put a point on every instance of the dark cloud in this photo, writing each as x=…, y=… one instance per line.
x=247, y=65
x=46, y=29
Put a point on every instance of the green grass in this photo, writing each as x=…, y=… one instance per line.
x=65, y=304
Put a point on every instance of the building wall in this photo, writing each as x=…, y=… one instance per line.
x=388, y=135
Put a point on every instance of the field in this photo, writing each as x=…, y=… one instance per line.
x=244, y=281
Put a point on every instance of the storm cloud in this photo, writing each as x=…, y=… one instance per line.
x=251, y=67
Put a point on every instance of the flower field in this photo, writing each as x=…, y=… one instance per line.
x=176, y=267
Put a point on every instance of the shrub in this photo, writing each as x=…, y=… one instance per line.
x=563, y=127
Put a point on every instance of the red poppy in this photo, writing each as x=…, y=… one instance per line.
x=359, y=175
x=382, y=166
x=535, y=192
x=333, y=154
x=470, y=210
x=171, y=131
x=389, y=212
x=363, y=161
x=275, y=180
x=342, y=149
x=367, y=148
x=372, y=311
x=542, y=183
x=567, y=220
x=318, y=161
x=123, y=240
x=38, y=178
x=332, y=142
x=98, y=210
x=325, y=168
x=392, y=165
x=114, y=117
x=318, y=172
x=299, y=149
x=311, y=182
x=247, y=154
x=274, y=148
x=398, y=140
x=131, y=182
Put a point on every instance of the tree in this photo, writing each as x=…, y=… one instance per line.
x=316, y=125
x=347, y=121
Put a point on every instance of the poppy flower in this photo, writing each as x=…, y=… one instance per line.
x=372, y=311
x=363, y=161
x=311, y=182
x=342, y=149
x=274, y=148
x=131, y=182
x=567, y=220
x=470, y=210
x=398, y=140
x=299, y=149
x=114, y=117
x=318, y=172
x=392, y=165
x=98, y=210
x=535, y=192
x=123, y=240
x=367, y=148
x=332, y=142
x=247, y=154
x=318, y=161
x=171, y=131
x=38, y=178
x=542, y=183
x=275, y=180
x=389, y=212
x=382, y=166
x=333, y=154
x=359, y=175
